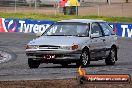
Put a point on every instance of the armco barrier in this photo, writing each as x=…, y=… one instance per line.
x=34, y=26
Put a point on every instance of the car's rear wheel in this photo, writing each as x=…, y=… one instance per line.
x=112, y=57
x=33, y=63
x=84, y=59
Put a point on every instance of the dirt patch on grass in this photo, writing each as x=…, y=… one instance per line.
x=66, y=83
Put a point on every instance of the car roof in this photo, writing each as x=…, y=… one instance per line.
x=82, y=20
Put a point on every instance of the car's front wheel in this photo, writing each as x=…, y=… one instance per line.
x=33, y=63
x=84, y=59
x=112, y=57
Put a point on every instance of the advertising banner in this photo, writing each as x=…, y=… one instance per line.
x=34, y=26
x=25, y=26
x=122, y=30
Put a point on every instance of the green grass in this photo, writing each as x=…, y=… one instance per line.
x=62, y=17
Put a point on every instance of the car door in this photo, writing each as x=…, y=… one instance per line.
x=97, y=44
x=109, y=35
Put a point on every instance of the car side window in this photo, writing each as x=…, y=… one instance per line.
x=82, y=30
x=96, y=29
x=106, y=29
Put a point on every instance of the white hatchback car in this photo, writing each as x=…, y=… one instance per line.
x=74, y=41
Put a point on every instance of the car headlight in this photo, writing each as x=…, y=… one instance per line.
x=32, y=47
x=73, y=47
x=66, y=47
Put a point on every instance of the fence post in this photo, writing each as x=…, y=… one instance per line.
x=122, y=9
x=15, y=6
x=35, y=4
x=126, y=1
x=98, y=10
x=55, y=7
x=76, y=8
x=109, y=1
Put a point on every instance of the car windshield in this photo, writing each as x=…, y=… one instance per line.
x=67, y=29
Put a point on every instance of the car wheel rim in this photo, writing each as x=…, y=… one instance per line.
x=84, y=58
x=113, y=55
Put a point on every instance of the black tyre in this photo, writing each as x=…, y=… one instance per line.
x=84, y=59
x=33, y=63
x=112, y=57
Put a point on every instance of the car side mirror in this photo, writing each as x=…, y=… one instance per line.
x=38, y=34
x=95, y=35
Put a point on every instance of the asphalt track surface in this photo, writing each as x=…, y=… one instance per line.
x=17, y=68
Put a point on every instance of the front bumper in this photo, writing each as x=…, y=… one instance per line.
x=60, y=55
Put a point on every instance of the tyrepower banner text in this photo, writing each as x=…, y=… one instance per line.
x=25, y=26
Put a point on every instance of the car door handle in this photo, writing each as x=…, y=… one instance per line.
x=103, y=40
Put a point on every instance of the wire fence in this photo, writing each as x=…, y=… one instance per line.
x=88, y=7
x=104, y=9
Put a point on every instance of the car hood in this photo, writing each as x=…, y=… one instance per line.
x=57, y=40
